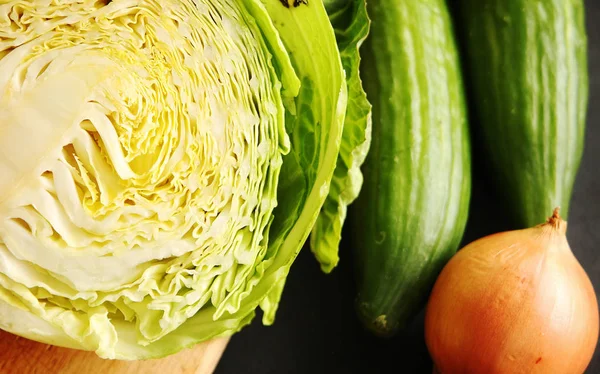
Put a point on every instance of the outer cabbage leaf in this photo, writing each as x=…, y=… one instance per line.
x=315, y=134
x=351, y=24
x=163, y=163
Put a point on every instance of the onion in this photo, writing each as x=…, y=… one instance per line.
x=513, y=302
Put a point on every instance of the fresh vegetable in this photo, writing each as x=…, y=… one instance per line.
x=163, y=162
x=514, y=302
x=351, y=23
x=527, y=61
x=411, y=213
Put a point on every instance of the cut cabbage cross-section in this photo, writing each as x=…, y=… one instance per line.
x=162, y=162
x=152, y=147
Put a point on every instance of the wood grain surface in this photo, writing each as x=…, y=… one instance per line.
x=23, y=356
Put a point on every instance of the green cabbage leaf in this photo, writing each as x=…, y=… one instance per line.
x=351, y=23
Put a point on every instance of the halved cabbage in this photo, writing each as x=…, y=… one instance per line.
x=162, y=162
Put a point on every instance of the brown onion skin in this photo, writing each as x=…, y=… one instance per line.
x=513, y=302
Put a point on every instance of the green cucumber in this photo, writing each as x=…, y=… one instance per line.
x=527, y=62
x=411, y=213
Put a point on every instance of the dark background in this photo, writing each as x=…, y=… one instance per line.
x=316, y=330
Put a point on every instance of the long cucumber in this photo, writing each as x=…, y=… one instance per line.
x=527, y=61
x=410, y=216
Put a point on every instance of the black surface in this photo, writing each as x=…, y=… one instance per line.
x=316, y=330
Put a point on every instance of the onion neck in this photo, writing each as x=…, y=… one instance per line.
x=557, y=223
x=554, y=234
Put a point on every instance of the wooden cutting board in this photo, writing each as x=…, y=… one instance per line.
x=23, y=356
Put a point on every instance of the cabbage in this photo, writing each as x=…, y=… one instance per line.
x=163, y=162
